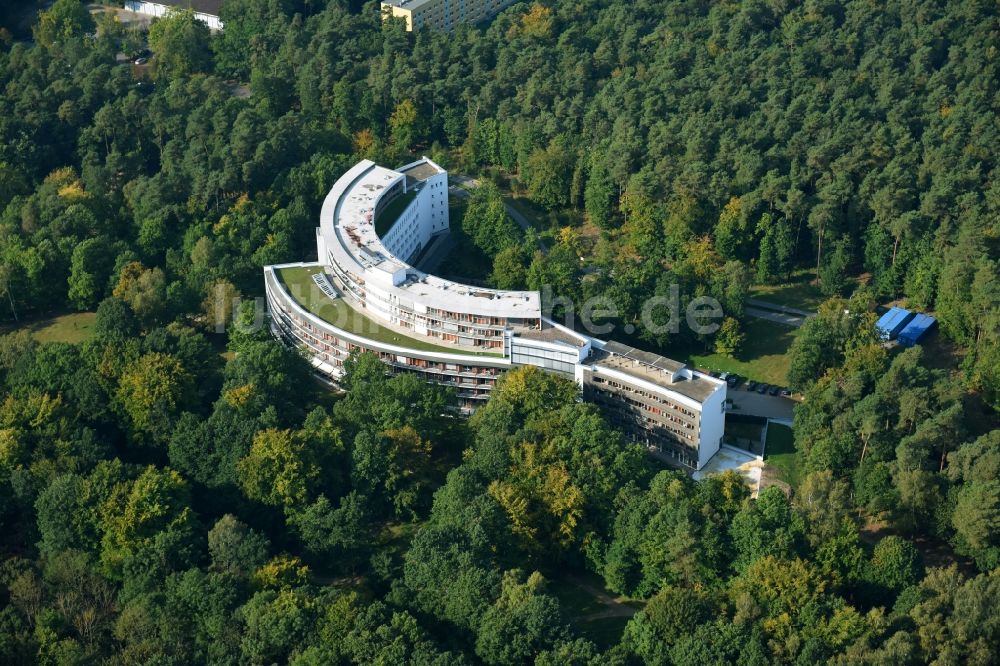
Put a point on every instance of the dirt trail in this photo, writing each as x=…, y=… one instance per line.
x=615, y=608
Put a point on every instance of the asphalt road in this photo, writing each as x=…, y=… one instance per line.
x=752, y=403
x=780, y=314
x=777, y=317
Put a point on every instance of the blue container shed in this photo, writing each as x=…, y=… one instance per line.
x=916, y=329
x=892, y=322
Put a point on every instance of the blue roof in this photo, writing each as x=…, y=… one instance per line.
x=892, y=322
x=916, y=329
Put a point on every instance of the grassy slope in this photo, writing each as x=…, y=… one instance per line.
x=72, y=327
x=780, y=453
x=298, y=281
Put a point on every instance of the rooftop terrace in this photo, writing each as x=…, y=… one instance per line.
x=419, y=170
x=300, y=286
x=648, y=358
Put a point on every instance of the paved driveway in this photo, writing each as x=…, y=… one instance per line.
x=781, y=314
x=742, y=462
x=778, y=307
x=750, y=403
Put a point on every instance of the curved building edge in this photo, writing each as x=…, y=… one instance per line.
x=463, y=336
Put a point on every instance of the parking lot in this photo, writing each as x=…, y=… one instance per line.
x=752, y=403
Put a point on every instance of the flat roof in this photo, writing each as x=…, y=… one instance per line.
x=693, y=385
x=420, y=170
x=549, y=333
x=346, y=222
x=645, y=357
x=656, y=369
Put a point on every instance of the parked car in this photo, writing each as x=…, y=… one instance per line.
x=751, y=386
x=762, y=389
x=774, y=390
x=732, y=380
x=140, y=61
x=785, y=393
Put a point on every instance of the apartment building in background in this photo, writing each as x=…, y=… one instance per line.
x=442, y=15
x=204, y=10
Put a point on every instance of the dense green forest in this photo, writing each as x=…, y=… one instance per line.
x=172, y=494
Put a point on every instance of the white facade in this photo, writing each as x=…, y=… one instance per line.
x=690, y=405
x=465, y=336
x=442, y=14
x=425, y=217
x=356, y=253
x=157, y=9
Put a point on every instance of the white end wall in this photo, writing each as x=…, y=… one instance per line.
x=713, y=424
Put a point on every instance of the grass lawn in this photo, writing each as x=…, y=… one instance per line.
x=798, y=292
x=780, y=452
x=299, y=284
x=73, y=327
x=388, y=216
x=764, y=357
x=397, y=536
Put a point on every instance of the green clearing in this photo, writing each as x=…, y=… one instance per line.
x=593, y=618
x=300, y=286
x=764, y=356
x=575, y=600
x=72, y=327
x=605, y=632
x=798, y=292
x=388, y=215
x=397, y=536
x=780, y=452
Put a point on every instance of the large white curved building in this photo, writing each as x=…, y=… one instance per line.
x=364, y=294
